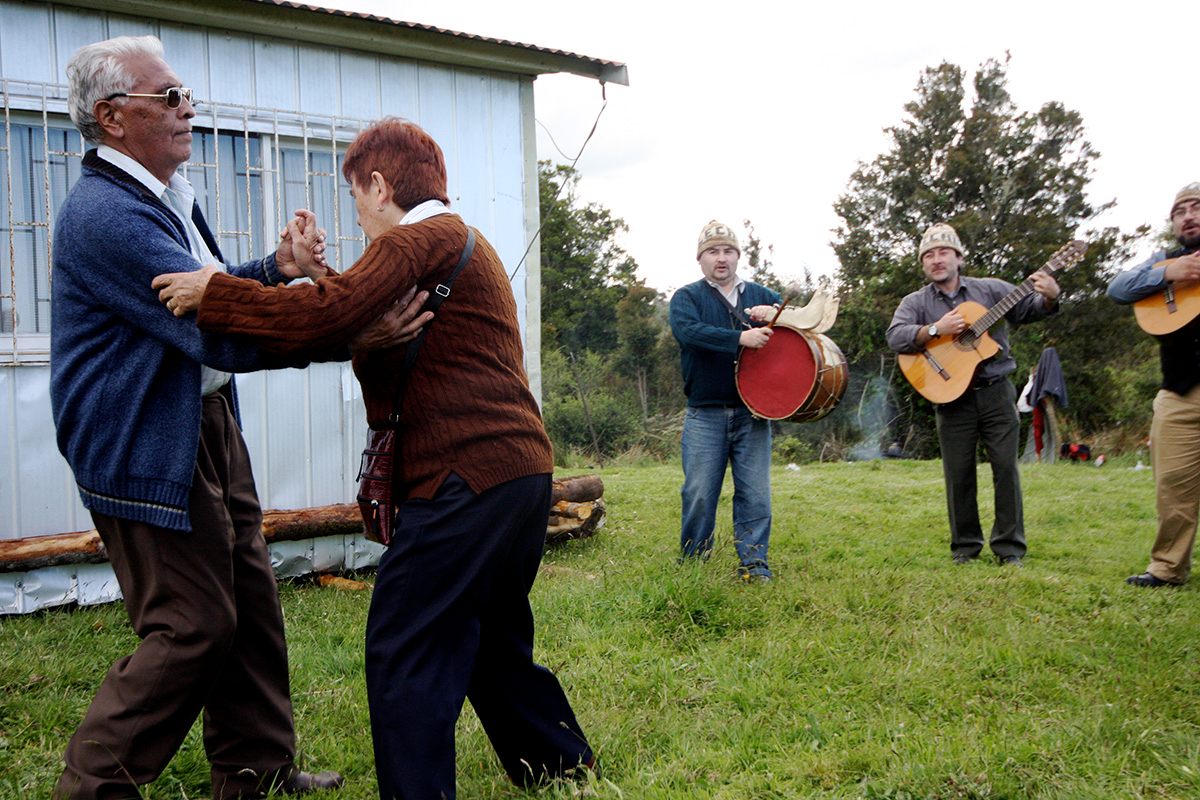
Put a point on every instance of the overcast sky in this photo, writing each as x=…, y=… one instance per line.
x=761, y=110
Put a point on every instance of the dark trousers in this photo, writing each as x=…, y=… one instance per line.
x=206, y=608
x=450, y=619
x=989, y=415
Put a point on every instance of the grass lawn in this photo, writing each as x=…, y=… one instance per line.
x=871, y=667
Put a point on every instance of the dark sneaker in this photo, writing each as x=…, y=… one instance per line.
x=1147, y=581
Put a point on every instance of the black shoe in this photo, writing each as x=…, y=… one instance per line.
x=963, y=558
x=1148, y=581
x=306, y=782
x=1012, y=561
x=286, y=781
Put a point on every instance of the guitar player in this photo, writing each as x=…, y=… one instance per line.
x=987, y=410
x=1175, y=430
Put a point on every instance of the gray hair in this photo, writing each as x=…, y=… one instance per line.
x=97, y=71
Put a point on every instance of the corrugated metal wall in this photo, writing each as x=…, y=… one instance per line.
x=304, y=428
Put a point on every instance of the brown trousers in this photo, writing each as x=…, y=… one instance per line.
x=206, y=608
x=1175, y=453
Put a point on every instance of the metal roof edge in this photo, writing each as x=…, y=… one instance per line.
x=365, y=32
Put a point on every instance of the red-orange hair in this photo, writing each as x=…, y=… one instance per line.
x=405, y=155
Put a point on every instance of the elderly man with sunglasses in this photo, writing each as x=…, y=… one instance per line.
x=146, y=415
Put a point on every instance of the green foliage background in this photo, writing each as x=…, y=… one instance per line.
x=1013, y=183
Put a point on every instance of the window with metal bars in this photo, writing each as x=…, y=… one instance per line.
x=247, y=183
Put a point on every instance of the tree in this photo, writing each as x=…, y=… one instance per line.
x=1013, y=184
x=760, y=260
x=638, y=329
x=585, y=273
x=602, y=328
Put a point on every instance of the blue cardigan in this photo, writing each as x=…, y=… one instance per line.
x=124, y=371
x=708, y=340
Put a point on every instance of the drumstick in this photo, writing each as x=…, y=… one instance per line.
x=787, y=299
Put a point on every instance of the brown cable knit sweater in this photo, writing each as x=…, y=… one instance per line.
x=467, y=407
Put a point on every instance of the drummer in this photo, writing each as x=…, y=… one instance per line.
x=711, y=319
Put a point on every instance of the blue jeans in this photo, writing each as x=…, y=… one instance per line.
x=714, y=437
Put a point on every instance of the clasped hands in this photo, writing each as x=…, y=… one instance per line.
x=301, y=253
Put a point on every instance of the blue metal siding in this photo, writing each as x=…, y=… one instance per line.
x=276, y=83
x=318, y=80
x=188, y=53
x=398, y=89
x=37, y=491
x=305, y=429
x=26, y=53
x=72, y=30
x=231, y=65
x=359, y=93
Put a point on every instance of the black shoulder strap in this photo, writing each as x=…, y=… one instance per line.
x=436, y=298
x=734, y=310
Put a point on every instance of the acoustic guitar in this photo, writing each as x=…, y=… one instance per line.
x=1169, y=310
x=945, y=368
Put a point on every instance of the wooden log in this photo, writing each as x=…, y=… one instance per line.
x=577, y=512
x=574, y=520
x=578, y=489
x=341, y=519
x=22, y=555
x=343, y=584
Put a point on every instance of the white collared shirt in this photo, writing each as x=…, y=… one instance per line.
x=734, y=292
x=423, y=211
x=180, y=197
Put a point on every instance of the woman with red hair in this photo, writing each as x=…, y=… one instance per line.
x=450, y=616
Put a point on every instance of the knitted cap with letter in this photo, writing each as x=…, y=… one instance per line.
x=1189, y=192
x=715, y=234
x=940, y=235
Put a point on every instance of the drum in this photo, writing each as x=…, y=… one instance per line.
x=799, y=376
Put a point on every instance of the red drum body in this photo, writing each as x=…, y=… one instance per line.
x=798, y=376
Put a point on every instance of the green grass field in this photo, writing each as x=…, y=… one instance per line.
x=871, y=667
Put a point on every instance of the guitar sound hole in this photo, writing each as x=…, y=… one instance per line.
x=966, y=340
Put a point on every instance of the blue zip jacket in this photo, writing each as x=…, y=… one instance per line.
x=708, y=340
x=124, y=371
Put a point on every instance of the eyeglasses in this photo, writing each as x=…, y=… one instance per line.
x=174, y=96
x=1184, y=209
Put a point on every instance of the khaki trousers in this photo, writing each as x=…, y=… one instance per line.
x=205, y=605
x=1175, y=454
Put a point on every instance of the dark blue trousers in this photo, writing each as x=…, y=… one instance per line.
x=450, y=619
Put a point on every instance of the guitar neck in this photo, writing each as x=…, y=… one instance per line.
x=1005, y=304
x=1065, y=256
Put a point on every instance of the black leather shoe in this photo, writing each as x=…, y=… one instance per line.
x=1148, y=581
x=286, y=781
x=963, y=558
x=299, y=782
x=1012, y=561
